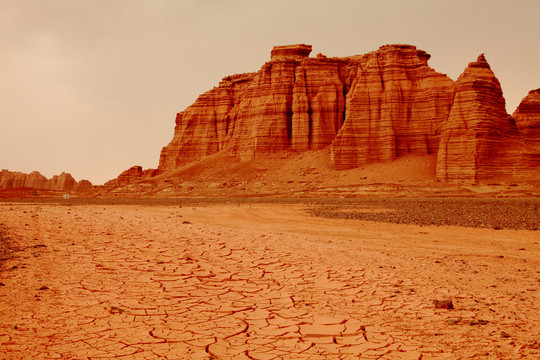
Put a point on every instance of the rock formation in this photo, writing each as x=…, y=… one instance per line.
x=201, y=129
x=318, y=106
x=367, y=108
x=261, y=123
x=527, y=117
x=130, y=175
x=83, y=186
x=34, y=180
x=480, y=140
x=290, y=52
x=394, y=101
x=396, y=105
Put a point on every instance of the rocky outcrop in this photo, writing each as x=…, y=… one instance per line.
x=84, y=186
x=527, y=117
x=134, y=173
x=261, y=122
x=318, y=106
x=299, y=103
x=290, y=52
x=202, y=128
x=63, y=182
x=397, y=105
x=10, y=179
x=34, y=180
x=480, y=140
x=293, y=102
x=367, y=108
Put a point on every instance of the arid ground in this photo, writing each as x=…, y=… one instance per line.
x=268, y=280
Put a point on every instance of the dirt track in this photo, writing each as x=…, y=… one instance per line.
x=262, y=282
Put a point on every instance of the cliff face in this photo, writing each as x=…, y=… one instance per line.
x=34, y=180
x=367, y=108
x=202, y=128
x=527, y=117
x=262, y=119
x=130, y=175
x=318, y=106
x=397, y=105
x=480, y=140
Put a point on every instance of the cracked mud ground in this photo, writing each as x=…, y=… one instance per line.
x=260, y=282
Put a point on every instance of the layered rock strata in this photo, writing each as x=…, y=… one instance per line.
x=480, y=140
x=262, y=121
x=34, y=180
x=527, y=117
x=290, y=52
x=201, y=129
x=367, y=108
x=397, y=105
x=394, y=101
x=130, y=175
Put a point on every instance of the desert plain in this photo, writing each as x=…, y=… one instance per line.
x=364, y=206
x=270, y=279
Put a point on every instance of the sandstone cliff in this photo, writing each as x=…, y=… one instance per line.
x=397, y=105
x=34, y=180
x=527, y=117
x=318, y=106
x=480, y=140
x=366, y=108
x=201, y=129
x=130, y=175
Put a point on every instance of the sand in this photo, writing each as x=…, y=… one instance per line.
x=307, y=175
x=260, y=281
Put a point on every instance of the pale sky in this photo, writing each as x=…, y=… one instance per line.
x=92, y=87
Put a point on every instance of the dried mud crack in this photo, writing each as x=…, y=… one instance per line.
x=260, y=281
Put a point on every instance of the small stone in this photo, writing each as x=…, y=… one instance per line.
x=116, y=310
x=43, y=288
x=504, y=335
x=443, y=304
x=478, y=322
x=452, y=321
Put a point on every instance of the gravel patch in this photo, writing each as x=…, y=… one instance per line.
x=7, y=247
x=519, y=214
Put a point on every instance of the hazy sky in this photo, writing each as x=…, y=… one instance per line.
x=92, y=87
